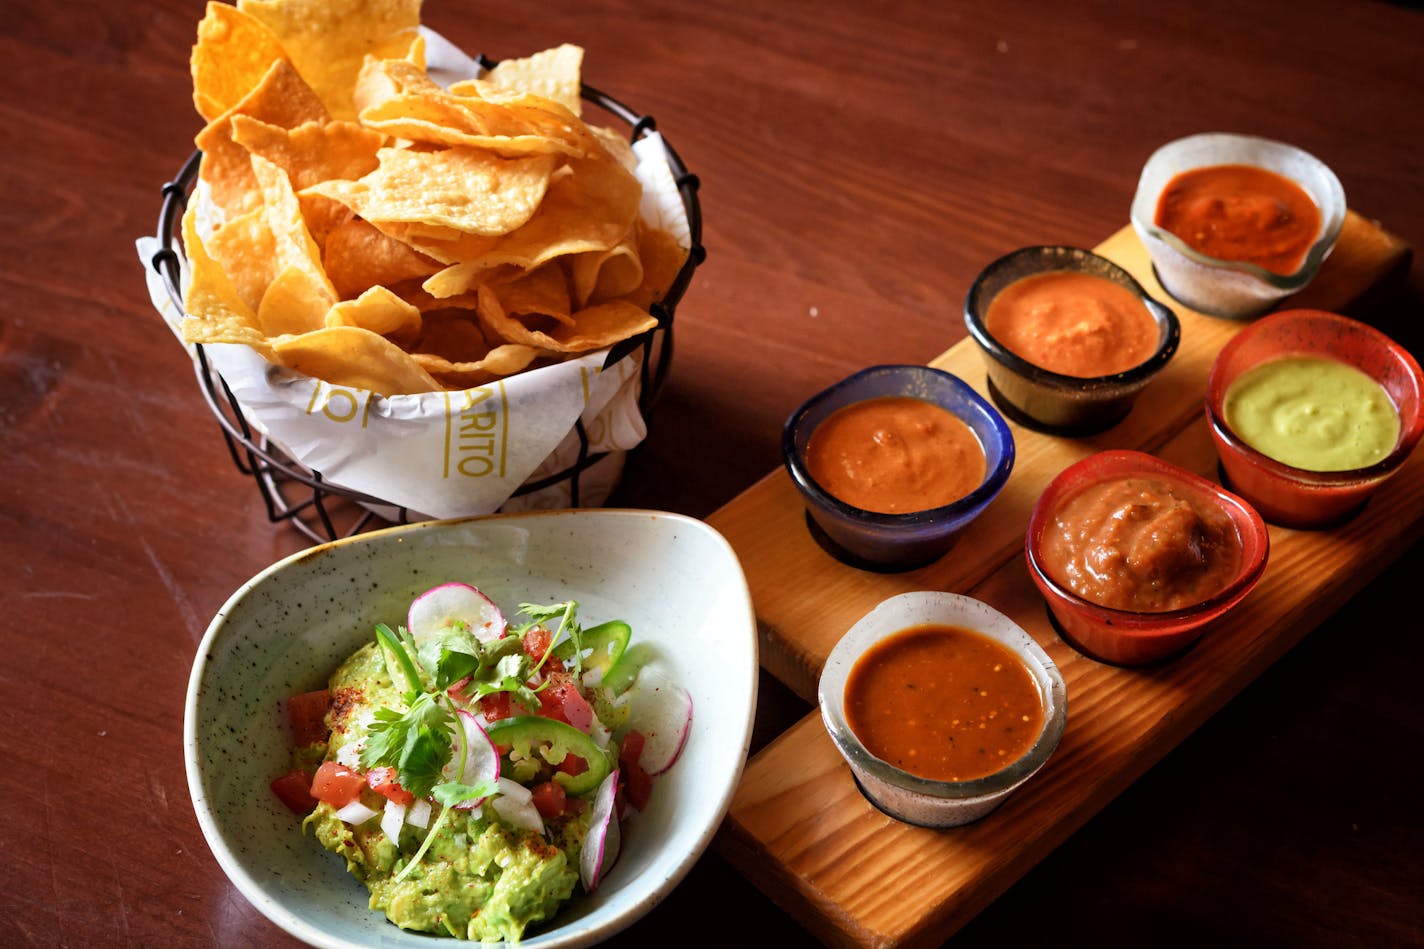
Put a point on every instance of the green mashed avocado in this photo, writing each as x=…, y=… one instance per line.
x=480, y=879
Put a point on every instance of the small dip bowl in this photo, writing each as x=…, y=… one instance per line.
x=1125, y=637
x=1232, y=288
x=891, y=542
x=1050, y=401
x=906, y=796
x=1296, y=497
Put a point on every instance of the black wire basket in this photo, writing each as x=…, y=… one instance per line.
x=325, y=511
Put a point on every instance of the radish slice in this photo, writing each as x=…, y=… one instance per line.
x=481, y=761
x=602, y=837
x=437, y=609
x=662, y=710
x=392, y=820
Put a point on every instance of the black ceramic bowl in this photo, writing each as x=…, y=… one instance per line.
x=1050, y=401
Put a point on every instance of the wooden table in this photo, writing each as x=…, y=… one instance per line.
x=859, y=164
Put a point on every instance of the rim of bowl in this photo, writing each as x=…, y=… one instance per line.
x=1217, y=386
x=1040, y=665
x=1129, y=622
x=1332, y=211
x=995, y=476
x=1058, y=257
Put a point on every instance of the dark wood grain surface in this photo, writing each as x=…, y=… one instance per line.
x=859, y=163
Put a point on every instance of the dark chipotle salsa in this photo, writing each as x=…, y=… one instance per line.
x=944, y=703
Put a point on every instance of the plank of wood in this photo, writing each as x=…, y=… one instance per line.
x=800, y=829
x=766, y=524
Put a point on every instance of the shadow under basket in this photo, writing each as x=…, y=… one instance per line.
x=325, y=511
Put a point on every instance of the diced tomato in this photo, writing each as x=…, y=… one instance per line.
x=562, y=700
x=383, y=782
x=307, y=713
x=336, y=784
x=637, y=783
x=549, y=799
x=294, y=790
x=496, y=705
x=457, y=689
x=573, y=764
x=536, y=642
x=631, y=749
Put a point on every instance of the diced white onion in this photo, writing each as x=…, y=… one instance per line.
x=519, y=813
x=355, y=813
x=349, y=756
x=392, y=821
x=418, y=814
x=514, y=790
x=592, y=678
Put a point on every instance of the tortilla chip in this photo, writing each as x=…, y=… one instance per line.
x=292, y=243
x=357, y=257
x=215, y=311
x=243, y=247
x=356, y=357
x=593, y=327
x=469, y=190
x=281, y=98
x=553, y=74
x=328, y=40
x=229, y=59
x=380, y=311
x=313, y=151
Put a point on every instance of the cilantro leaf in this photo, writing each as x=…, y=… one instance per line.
x=451, y=792
x=417, y=743
x=453, y=666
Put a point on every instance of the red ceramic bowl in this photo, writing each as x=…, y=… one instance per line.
x=1295, y=497
x=1124, y=637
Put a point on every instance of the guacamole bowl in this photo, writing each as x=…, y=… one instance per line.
x=673, y=579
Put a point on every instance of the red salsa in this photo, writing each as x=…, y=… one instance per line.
x=1241, y=212
x=943, y=702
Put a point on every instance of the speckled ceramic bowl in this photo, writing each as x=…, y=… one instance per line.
x=674, y=579
x=891, y=542
x=1228, y=287
x=1051, y=401
x=906, y=796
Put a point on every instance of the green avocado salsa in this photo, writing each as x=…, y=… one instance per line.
x=462, y=768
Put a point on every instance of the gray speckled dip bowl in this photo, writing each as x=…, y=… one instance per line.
x=908, y=797
x=673, y=579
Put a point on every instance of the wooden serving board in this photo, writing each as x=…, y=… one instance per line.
x=798, y=826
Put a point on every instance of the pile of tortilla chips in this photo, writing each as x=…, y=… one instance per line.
x=370, y=228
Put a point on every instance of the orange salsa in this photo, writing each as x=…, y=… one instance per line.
x=895, y=455
x=1076, y=324
x=944, y=703
x=1241, y=212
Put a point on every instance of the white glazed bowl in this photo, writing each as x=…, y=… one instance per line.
x=1223, y=287
x=908, y=797
x=675, y=580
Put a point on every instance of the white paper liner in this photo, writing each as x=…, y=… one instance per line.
x=451, y=454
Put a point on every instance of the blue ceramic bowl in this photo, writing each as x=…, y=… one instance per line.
x=896, y=541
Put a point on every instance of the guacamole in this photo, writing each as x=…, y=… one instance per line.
x=472, y=773
x=480, y=879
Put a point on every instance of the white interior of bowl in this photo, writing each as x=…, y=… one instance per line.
x=673, y=579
